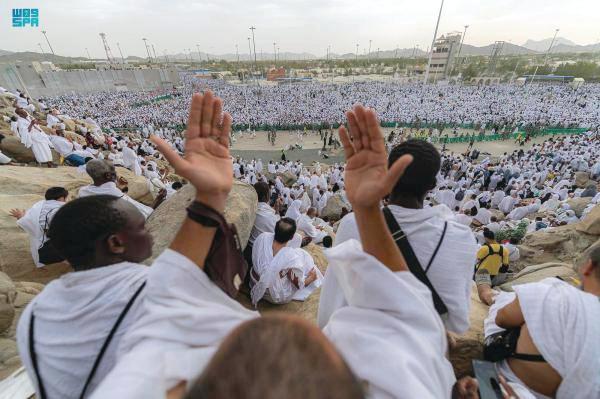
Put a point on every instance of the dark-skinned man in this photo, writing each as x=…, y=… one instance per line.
x=427, y=228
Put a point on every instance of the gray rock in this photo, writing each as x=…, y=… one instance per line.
x=167, y=218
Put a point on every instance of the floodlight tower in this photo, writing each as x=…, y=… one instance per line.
x=496, y=50
x=109, y=55
x=147, y=49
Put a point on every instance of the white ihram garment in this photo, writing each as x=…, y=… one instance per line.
x=110, y=188
x=73, y=315
x=452, y=269
x=33, y=222
x=268, y=267
x=186, y=317
x=385, y=327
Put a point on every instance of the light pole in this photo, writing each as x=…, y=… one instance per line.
x=237, y=54
x=154, y=52
x=275, y=52
x=437, y=25
x=460, y=47
x=551, y=45
x=199, y=56
x=545, y=57
x=369, y=54
x=252, y=28
x=41, y=48
x=121, y=53
x=48, y=41
x=356, y=52
x=147, y=49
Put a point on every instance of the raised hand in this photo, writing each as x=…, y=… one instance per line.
x=206, y=163
x=367, y=178
x=17, y=213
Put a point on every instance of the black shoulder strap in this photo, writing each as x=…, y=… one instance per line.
x=109, y=339
x=100, y=355
x=411, y=259
x=33, y=356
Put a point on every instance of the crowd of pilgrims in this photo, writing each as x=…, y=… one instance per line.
x=384, y=336
x=504, y=106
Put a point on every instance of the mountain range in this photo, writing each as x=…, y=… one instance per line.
x=561, y=45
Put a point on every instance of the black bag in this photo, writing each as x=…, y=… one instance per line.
x=503, y=345
x=47, y=254
x=413, y=263
x=460, y=195
x=225, y=264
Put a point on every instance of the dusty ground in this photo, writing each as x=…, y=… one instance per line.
x=250, y=147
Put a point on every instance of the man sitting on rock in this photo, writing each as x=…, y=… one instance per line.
x=266, y=217
x=104, y=175
x=492, y=266
x=36, y=220
x=558, y=324
x=282, y=273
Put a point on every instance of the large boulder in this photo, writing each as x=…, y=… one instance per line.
x=333, y=208
x=581, y=179
x=499, y=214
x=535, y=273
x=11, y=147
x=75, y=137
x=165, y=221
x=69, y=123
x=288, y=178
x=468, y=346
x=8, y=294
x=559, y=244
x=21, y=187
x=590, y=224
x=578, y=204
x=13, y=299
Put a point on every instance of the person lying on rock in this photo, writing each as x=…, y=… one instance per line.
x=195, y=340
x=557, y=349
x=281, y=270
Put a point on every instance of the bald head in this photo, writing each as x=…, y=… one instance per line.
x=101, y=171
x=276, y=356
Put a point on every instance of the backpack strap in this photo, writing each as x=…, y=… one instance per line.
x=33, y=356
x=490, y=253
x=107, y=341
x=411, y=259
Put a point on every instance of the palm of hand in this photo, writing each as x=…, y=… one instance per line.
x=365, y=176
x=209, y=164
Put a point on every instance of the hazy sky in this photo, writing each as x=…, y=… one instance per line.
x=296, y=25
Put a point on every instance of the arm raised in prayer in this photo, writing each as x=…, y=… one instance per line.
x=368, y=180
x=206, y=165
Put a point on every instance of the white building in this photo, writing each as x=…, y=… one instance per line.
x=444, y=50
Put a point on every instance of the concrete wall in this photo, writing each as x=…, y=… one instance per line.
x=51, y=83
